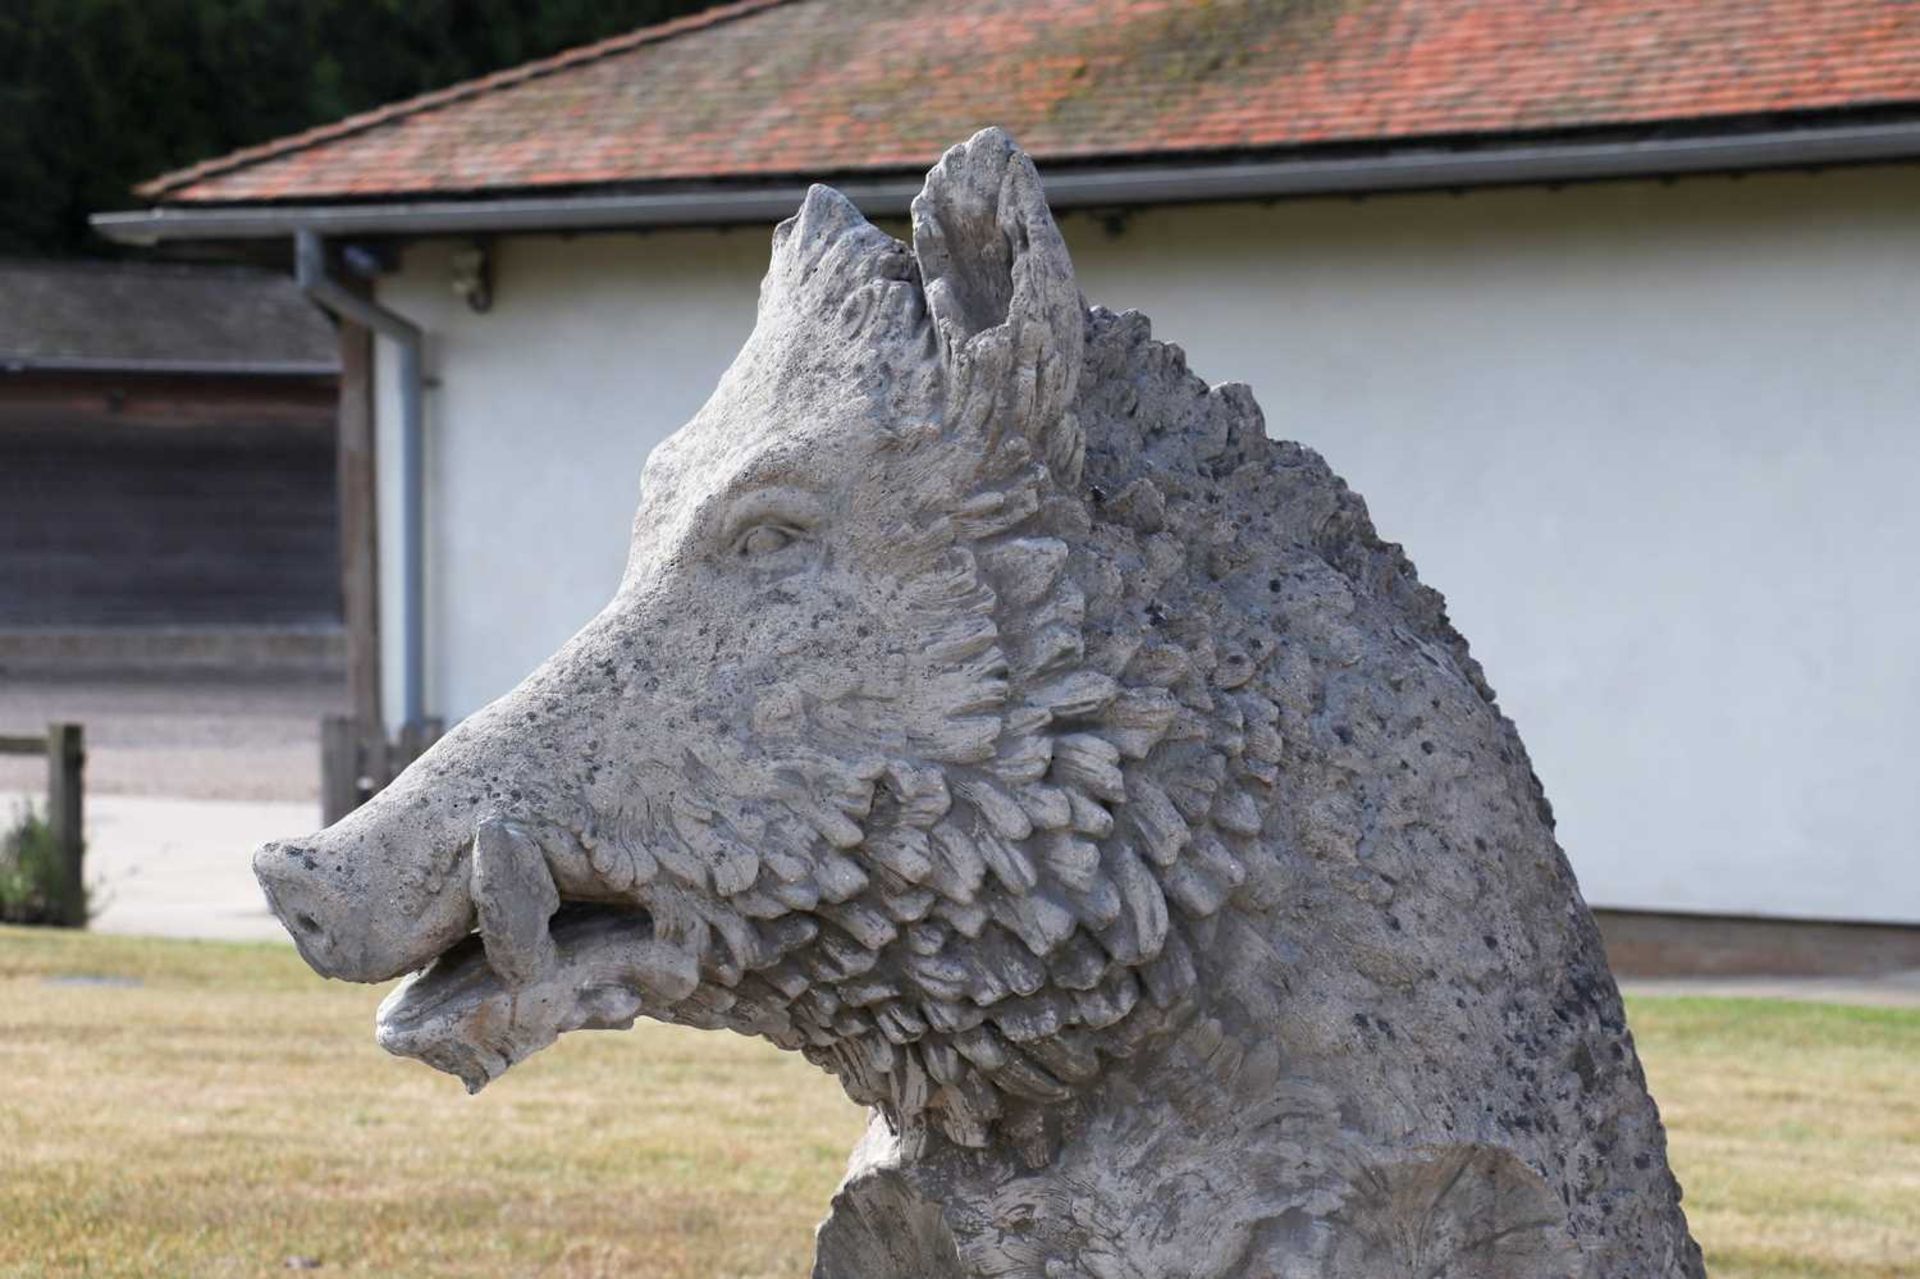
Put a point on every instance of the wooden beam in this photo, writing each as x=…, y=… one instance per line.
x=359, y=531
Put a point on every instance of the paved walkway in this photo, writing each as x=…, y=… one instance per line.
x=182, y=867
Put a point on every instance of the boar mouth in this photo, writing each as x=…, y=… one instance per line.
x=460, y=1015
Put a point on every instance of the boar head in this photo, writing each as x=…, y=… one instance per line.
x=833, y=767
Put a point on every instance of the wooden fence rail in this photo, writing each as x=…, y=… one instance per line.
x=66, y=756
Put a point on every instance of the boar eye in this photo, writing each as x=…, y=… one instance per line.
x=764, y=522
x=764, y=539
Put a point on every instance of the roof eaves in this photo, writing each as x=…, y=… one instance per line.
x=158, y=187
x=1414, y=164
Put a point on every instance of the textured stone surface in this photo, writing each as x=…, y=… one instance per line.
x=992, y=713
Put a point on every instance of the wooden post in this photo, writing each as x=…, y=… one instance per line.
x=66, y=758
x=353, y=747
x=414, y=740
x=355, y=476
x=339, y=767
x=353, y=766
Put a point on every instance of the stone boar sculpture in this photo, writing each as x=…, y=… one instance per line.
x=993, y=714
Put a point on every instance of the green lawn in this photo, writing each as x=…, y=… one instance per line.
x=214, y=1110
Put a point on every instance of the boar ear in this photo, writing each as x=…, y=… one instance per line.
x=825, y=253
x=514, y=896
x=1005, y=308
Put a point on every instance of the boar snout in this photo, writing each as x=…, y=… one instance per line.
x=284, y=871
x=434, y=857
x=333, y=891
x=312, y=907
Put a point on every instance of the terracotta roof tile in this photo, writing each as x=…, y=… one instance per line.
x=789, y=87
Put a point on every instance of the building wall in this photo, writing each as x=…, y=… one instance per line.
x=1655, y=442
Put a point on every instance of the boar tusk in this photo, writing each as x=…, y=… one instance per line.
x=663, y=970
x=515, y=898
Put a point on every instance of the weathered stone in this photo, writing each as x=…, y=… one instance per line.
x=993, y=714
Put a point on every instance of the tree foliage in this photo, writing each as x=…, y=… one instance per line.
x=97, y=95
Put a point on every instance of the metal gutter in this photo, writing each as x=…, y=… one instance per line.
x=182, y=368
x=1068, y=187
x=310, y=269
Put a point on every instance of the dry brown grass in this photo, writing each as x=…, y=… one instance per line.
x=230, y=1111
x=1795, y=1129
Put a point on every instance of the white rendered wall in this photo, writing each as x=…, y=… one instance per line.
x=539, y=415
x=1657, y=444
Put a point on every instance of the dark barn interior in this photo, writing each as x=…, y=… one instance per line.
x=219, y=514
x=166, y=451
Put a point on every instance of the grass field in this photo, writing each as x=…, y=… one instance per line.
x=202, y=1109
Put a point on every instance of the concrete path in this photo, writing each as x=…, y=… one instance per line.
x=182, y=867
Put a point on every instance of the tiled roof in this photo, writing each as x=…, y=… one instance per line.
x=814, y=87
x=138, y=315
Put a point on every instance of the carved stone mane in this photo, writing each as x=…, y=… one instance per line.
x=1374, y=1033
x=1066, y=767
